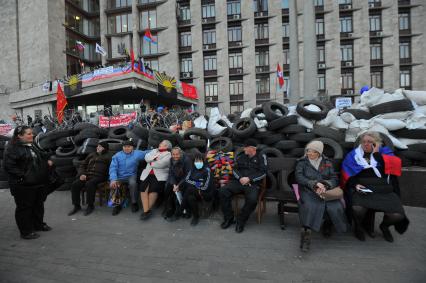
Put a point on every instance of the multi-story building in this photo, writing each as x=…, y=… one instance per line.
x=229, y=49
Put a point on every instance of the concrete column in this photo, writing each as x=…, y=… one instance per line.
x=294, y=53
x=197, y=56
x=135, y=28
x=418, y=45
x=222, y=57
x=103, y=28
x=332, y=48
x=390, y=46
x=249, y=52
x=309, y=51
x=57, y=39
x=168, y=38
x=276, y=48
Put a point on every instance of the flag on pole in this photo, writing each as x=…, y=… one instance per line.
x=99, y=49
x=189, y=91
x=141, y=65
x=148, y=37
x=280, y=76
x=61, y=103
x=132, y=58
x=80, y=46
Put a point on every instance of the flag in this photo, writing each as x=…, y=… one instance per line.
x=280, y=76
x=132, y=59
x=61, y=103
x=148, y=37
x=99, y=49
x=79, y=45
x=72, y=85
x=166, y=85
x=141, y=65
x=189, y=91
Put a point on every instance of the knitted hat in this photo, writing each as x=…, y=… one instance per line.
x=104, y=144
x=250, y=142
x=318, y=146
x=128, y=142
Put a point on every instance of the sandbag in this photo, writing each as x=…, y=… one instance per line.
x=200, y=122
x=390, y=124
x=331, y=115
x=416, y=121
x=419, y=97
x=305, y=122
x=376, y=96
x=347, y=117
x=338, y=123
x=213, y=127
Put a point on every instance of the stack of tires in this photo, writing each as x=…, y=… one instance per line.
x=3, y=177
x=415, y=155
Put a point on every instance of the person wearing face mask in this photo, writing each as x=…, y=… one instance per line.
x=198, y=187
x=154, y=176
x=92, y=172
x=319, y=203
x=27, y=168
x=180, y=165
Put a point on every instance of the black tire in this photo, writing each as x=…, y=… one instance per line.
x=135, y=138
x=46, y=144
x=311, y=115
x=187, y=144
x=83, y=135
x=271, y=152
x=76, y=162
x=60, y=161
x=142, y=133
x=385, y=139
x=91, y=142
x=56, y=134
x=271, y=181
x=347, y=145
x=118, y=133
x=83, y=125
x=285, y=145
x=221, y=144
x=85, y=150
x=244, y=128
x=4, y=138
x=295, y=152
x=293, y=129
x=113, y=144
x=391, y=106
x=270, y=108
x=153, y=142
x=359, y=114
x=142, y=144
x=282, y=122
x=413, y=155
x=302, y=137
x=161, y=134
x=203, y=134
x=66, y=151
x=421, y=147
x=332, y=149
x=101, y=132
x=262, y=134
x=68, y=141
x=256, y=111
x=419, y=134
x=327, y=132
x=274, y=138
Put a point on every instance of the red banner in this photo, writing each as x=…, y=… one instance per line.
x=189, y=91
x=115, y=121
x=4, y=129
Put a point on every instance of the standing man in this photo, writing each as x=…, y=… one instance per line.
x=249, y=169
x=123, y=169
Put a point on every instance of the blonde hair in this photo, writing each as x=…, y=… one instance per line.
x=375, y=135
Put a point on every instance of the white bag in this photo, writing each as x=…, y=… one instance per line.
x=419, y=97
x=200, y=122
x=347, y=117
x=213, y=127
x=305, y=122
x=339, y=124
x=390, y=124
x=331, y=115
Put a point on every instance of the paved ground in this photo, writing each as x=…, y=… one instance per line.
x=101, y=248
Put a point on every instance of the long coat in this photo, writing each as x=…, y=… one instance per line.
x=311, y=207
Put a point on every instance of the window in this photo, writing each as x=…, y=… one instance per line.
x=184, y=13
x=286, y=30
x=347, y=80
x=210, y=88
x=186, y=65
x=236, y=87
x=262, y=58
x=209, y=36
x=148, y=47
x=284, y=4
x=405, y=78
x=404, y=50
x=153, y=64
x=261, y=31
x=321, y=81
x=208, y=11
x=375, y=22
x=236, y=107
x=319, y=26
x=233, y=8
x=376, y=51
x=321, y=54
x=404, y=21
x=262, y=85
x=210, y=63
x=286, y=53
x=346, y=52
x=377, y=79
x=260, y=6
x=112, y=4
x=185, y=39
x=319, y=3
x=234, y=34
x=148, y=19
x=235, y=60
x=120, y=23
x=346, y=24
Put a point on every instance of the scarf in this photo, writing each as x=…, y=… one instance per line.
x=316, y=162
x=361, y=161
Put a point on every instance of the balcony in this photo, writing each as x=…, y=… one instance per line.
x=237, y=97
x=262, y=14
x=405, y=32
x=320, y=37
x=345, y=7
x=261, y=97
x=210, y=73
x=319, y=9
x=404, y=2
x=286, y=39
x=148, y=4
x=375, y=5
x=285, y=12
x=235, y=43
x=347, y=91
x=405, y=61
x=211, y=99
x=186, y=75
x=208, y=47
x=378, y=33
x=346, y=35
x=184, y=23
x=347, y=64
x=261, y=41
x=236, y=71
x=286, y=67
x=234, y=17
x=210, y=20
x=321, y=65
x=376, y=62
x=262, y=69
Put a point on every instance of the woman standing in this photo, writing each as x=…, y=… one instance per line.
x=319, y=194
x=28, y=169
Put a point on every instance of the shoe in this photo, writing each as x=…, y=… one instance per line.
x=326, y=230
x=186, y=215
x=89, y=210
x=135, y=207
x=116, y=210
x=195, y=221
x=359, y=234
x=239, y=228
x=146, y=215
x=386, y=233
x=30, y=236
x=44, y=228
x=227, y=222
x=172, y=218
x=74, y=210
x=305, y=240
x=371, y=234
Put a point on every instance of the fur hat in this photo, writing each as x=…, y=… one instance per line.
x=318, y=146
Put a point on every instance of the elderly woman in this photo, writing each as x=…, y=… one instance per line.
x=319, y=194
x=154, y=176
x=369, y=174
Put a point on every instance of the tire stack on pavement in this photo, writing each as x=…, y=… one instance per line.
x=3, y=176
x=415, y=155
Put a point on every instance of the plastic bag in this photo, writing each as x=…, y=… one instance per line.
x=305, y=122
x=213, y=127
x=419, y=97
x=390, y=124
x=200, y=122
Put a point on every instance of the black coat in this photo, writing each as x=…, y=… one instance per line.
x=96, y=165
x=252, y=167
x=179, y=170
x=200, y=178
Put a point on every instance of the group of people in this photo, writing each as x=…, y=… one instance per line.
x=368, y=184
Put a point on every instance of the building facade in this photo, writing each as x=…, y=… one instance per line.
x=229, y=49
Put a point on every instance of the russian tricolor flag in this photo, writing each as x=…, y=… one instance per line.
x=148, y=37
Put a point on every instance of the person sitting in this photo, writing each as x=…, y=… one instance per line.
x=369, y=174
x=198, y=186
x=123, y=169
x=154, y=176
x=180, y=165
x=92, y=172
x=249, y=169
x=319, y=194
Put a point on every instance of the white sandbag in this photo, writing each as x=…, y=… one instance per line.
x=339, y=124
x=291, y=110
x=200, y=122
x=305, y=122
x=359, y=106
x=390, y=124
x=246, y=113
x=227, y=122
x=401, y=115
x=331, y=115
x=416, y=121
x=411, y=141
x=312, y=108
x=260, y=123
x=347, y=117
x=213, y=127
x=376, y=96
x=418, y=96
x=355, y=128
x=421, y=110
x=381, y=129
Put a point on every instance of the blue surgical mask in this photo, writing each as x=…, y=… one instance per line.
x=198, y=164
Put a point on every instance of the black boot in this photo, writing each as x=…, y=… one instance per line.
x=74, y=210
x=135, y=207
x=89, y=210
x=116, y=210
x=239, y=227
x=386, y=233
x=227, y=222
x=195, y=220
x=305, y=239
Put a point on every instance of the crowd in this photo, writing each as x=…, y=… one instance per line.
x=368, y=184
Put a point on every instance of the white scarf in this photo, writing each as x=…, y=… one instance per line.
x=360, y=160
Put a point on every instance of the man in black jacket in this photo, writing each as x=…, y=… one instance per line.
x=249, y=169
x=92, y=172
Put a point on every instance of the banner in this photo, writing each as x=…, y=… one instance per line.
x=5, y=129
x=72, y=85
x=115, y=121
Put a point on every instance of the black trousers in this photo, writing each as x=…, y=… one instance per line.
x=234, y=187
x=172, y=205
x=29, y=211
x=91, y=185
x=192, y=196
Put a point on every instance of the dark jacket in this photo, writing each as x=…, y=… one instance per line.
x=307, y=176
x=179, y=170
x=200, y=179
x=254, y=168
x=26, y=166
x=96, y=165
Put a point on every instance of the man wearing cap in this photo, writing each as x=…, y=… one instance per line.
x=93, y=171
x=249, y=169
x=123, y=169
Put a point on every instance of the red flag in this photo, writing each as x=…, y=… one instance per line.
x=61, y=103
x=132, y=58
x=280, y=76
x=189, y=91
